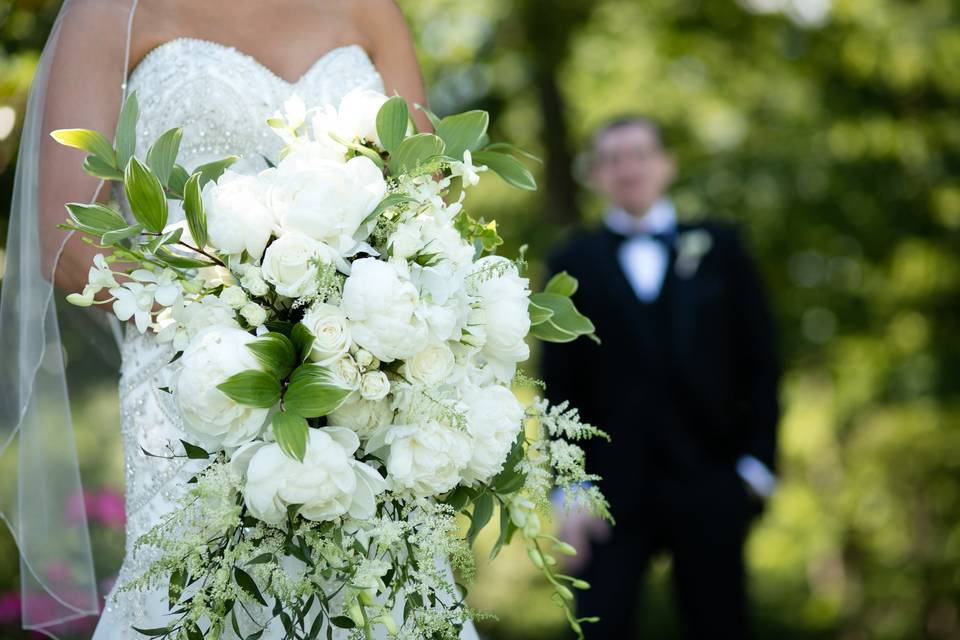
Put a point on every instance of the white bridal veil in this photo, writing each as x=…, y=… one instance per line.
x=77, y=85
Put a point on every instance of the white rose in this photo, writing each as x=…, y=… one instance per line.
x=237, y=216
x=362, y=416
x=365, y=359
x=431, y=367
x=327, y=202
x=374, y=385
x=329, y=483
x=426, y=459
x=494, y=419
x=381, y=304
x=214, y=355
x=331, y=329
x=233, y=296
x=502, y=315
x=291, y=264
x=254, y=314
x=346, y=370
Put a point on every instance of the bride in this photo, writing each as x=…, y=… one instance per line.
x=219, y=69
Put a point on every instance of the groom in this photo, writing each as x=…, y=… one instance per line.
x=685, y=383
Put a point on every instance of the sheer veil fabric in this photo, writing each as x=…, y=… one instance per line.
x=75, y=86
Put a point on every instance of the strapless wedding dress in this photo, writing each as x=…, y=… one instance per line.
x=221, y=98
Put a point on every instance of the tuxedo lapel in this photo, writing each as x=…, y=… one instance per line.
x=680, y=293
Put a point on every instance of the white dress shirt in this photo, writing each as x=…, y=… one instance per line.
x=644, y=261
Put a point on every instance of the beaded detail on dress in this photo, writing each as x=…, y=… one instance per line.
x=222, y=99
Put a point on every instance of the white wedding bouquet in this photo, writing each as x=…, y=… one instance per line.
x=346, y=340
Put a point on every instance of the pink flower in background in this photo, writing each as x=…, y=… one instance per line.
x=9, y=607
x=104, y=506
x=58, y=572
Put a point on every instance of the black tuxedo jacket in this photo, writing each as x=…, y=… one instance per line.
x=684, y=385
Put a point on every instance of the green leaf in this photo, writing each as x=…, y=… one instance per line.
x=152, y=632
x=125, y=139
x=392, y=122
x=463, y=131
x=415, y=151
x=313, y=392
x=194, y=452
x=538, y=314
x=212, y=171
x=482, y=511
x=506, y=147
x=245, y=582
x=291, y=434
x=178, y=181
x=434, y=119
x=302, y=339
x=113, y=237
x=343, y=622
x=98, y=168
x=508, y=168
x=88, y=140
x=506, y=529
x=95, y=218
x=562, y=284
x=252, y=388
x=275, y=352
x=178, y=580
x=391, y=200
x=193, y=210
x=146, y=197
x=169, y=237
x=162, y=155
x=549, y=332
x=178, y=261
x=565, y=314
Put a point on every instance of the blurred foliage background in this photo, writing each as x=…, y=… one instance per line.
x=830, y=130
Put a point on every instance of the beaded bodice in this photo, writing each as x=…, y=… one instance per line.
x=221, y=98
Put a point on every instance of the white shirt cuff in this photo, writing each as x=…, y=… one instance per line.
x=757, y=475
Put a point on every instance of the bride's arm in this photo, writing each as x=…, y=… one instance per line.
x=83, y=91
x=393, y=53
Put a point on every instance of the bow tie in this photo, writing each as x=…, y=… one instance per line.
x=665, y=238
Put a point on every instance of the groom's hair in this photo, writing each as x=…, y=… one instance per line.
x=630, y=120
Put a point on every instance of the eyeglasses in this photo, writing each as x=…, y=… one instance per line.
x=637, y=155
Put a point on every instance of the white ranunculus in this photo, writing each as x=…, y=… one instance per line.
x=374, y=385
x=427, y=458
x=237, y=215
x=329, y=201
x=331, y=329
x=494, y=419
x=502, y=315
x=430, y=367
x=381, y=304
x=329, y=483
x=292, y=262
x=362, y=416
x=215, y=354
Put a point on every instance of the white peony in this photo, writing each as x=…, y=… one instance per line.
x=502, y=315
x=238, y=219
x=431, y=367
x=292, y=263
x=444, y=304
x=331, y=329
x=365, y=417
x=381, y=304
x=214, y=355
x=494, y=419
x=327, y=202
x=329, y=483
x=427, y=458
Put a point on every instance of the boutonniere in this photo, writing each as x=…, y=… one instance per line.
x=691, y=247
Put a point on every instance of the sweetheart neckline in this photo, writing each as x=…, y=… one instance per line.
x=249, y=57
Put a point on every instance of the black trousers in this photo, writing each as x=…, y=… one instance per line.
x=702, y=526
